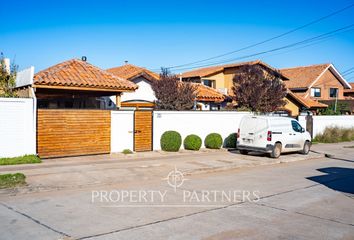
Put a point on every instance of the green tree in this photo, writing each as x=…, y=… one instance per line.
x=7, y=79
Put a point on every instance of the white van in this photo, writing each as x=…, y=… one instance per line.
x=272, y=135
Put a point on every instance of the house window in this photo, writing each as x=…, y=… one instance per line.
x=333, y=92
x=209, y=83
x=315, y=92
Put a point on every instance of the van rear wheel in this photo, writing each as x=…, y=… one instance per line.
x=276, y=151
x=306, y=148
x=244, y=152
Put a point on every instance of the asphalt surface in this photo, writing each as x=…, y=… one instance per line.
x=310, y=199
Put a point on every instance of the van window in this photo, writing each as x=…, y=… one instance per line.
x=296, y=126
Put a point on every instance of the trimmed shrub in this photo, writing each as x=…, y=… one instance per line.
x=230, y=141
x=171, y=141
x=192, y=142
x=213, y=141
x=127, y=151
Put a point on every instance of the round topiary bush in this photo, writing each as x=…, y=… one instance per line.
x=171, y=141
x=213, y=141
x=192, y=142
x=230, y=141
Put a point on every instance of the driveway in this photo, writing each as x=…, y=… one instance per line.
x=310, y=199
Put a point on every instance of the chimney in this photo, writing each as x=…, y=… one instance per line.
x=126, y=62
x=7, y=65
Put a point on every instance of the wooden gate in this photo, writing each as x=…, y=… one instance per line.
x=142, y=131
x=70, y=132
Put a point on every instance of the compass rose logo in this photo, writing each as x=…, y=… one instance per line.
x=175, y=179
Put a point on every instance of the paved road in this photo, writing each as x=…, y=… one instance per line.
x=312, y=199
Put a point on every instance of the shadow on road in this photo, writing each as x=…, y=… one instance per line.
x=337, y=178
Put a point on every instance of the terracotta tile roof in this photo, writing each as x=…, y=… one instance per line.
x=77, y=73
x=207, y=71
x=208, y=94
x=302, y=77
x=306, y=102
x=129, y=72
x=350, y=90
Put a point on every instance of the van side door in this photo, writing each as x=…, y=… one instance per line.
x=296, y=136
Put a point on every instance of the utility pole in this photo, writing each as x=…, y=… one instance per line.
x=335, y=104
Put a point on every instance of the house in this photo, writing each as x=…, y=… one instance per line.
x=221, y=77
x=75, y=84
x=349, y=93
x=319, y=85
x=209, y=99
x=144, y=97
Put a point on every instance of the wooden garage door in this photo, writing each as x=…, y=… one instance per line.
x=73, y=132
x=142, y=131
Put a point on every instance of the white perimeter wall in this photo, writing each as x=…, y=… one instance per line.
x=321, y=122
x=122, y=127
x=17, y=127
x=195, y=122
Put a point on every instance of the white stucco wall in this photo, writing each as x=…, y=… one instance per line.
x=321, y=122
x=17, y=127
x=144, y=92
x=122, y=130
x=195, y=122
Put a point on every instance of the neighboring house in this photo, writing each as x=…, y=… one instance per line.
x=209, y=99
x=349, y=93
x=144, y=97
x=75, y=84
x=316, y=84
x=221, y=78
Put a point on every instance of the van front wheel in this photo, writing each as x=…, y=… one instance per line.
x=276, y=150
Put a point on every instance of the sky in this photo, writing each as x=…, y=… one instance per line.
x=156, y=34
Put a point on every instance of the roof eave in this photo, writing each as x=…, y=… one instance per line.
x=99, y=89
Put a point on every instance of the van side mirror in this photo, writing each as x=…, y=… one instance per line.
x=302, y=130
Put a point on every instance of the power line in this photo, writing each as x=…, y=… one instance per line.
x=267, y=40
x=347, y=70
x=306, y=41
x=348, y=73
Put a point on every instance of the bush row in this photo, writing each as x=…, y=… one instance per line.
x=171, y=141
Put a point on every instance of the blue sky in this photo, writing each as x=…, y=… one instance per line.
x=167, y=33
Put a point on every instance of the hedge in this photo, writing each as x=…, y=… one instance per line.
x=213, y=141
x=192, y=142
x=230, y=141
x=171, y=141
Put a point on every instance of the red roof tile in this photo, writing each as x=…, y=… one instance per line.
x=129, y=72
x=208, y=94
x=307, y=102
x=302, y=77
x=77, y=73
x=350, y=90
x=204, y=72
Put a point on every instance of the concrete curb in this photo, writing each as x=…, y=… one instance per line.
x=247, y=165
